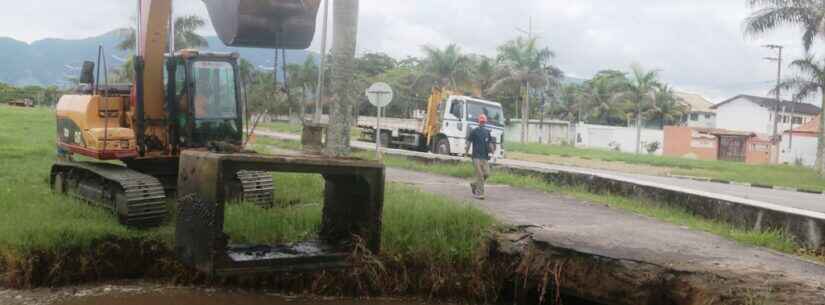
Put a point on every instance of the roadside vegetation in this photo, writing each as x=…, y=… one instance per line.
x=48, y=239
x=778, y=175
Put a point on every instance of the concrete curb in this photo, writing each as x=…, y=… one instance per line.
x=757, y=185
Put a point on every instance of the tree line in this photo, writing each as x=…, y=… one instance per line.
x=520, y=76
x=45, y=96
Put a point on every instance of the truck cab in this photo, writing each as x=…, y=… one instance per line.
x=459, y=115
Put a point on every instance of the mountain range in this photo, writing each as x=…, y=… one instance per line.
x=53, y=61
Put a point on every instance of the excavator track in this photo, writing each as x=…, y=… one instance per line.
x=137, y=199
x=256, y=187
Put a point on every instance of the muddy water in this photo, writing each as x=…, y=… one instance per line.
x=192, y=298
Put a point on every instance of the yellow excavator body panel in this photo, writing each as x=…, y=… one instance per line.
x=93, y=125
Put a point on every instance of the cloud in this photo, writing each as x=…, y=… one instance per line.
x=698, y=45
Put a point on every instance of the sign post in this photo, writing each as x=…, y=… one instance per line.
x=380, y=95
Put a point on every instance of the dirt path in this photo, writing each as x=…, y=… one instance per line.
x=601, y=231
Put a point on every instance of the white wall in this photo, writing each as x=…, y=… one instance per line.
x=557, y=132
x=609, y=137
x=743, y=115
x=803, y=149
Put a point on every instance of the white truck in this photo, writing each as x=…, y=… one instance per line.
x=449, y=119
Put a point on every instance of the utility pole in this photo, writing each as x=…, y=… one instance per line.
x=778, y=60
x=639, y=126
x=319, y=93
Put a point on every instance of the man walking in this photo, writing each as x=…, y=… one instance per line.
x=483, y=145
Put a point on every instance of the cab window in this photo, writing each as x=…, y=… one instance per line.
x=493, y=113
x=214, y=94
x=457, y=109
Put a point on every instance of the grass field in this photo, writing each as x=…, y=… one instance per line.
x=417, y=226
x=779, y=175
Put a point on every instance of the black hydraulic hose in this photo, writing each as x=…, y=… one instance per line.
x=171, y=103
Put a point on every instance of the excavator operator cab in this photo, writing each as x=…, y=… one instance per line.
x=205, y=98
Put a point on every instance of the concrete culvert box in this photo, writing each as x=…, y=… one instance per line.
x=352, y=211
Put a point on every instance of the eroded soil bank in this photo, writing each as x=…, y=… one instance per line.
x=516, y=268
x=547, y=269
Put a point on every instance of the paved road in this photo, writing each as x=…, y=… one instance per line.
x=606, y=232
x=797, y=200
x=804, y=201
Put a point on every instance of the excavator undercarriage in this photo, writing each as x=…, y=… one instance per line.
x=138, y=199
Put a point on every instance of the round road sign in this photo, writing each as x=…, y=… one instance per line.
x=380, y=94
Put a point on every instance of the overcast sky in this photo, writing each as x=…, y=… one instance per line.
x=698, y=45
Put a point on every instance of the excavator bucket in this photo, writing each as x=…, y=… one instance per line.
x=272, y=24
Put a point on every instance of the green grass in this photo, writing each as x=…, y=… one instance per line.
x=282, y=127
x=31, y=217
x=416, y=225
x=285, y=127
x=779, y=175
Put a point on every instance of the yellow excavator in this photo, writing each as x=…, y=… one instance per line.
x=178, y=101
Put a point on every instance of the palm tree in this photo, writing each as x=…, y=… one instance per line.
x=811, y=82
x=640, y=92
x=570, y=102
x=768, y=15
x=484, y=71
x=599, y=96
x=447, y=67
x=304, y=76
x=666, y=107
x=523, y=64
x=186, y=36
x=345, y=25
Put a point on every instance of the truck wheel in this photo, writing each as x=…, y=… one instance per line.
x=442, y=146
